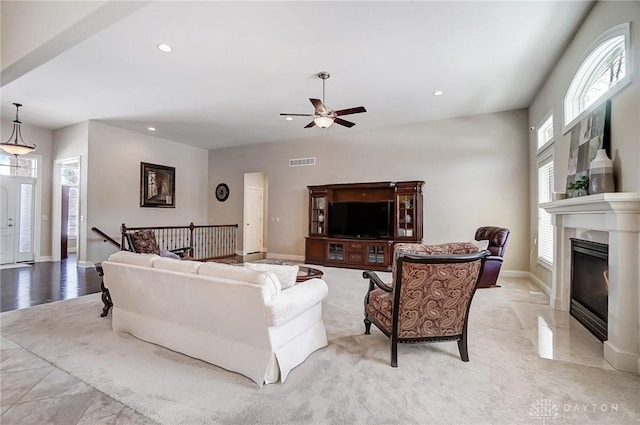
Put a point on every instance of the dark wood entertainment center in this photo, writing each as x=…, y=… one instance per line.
x=366, y=252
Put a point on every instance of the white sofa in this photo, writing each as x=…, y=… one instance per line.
x=231, y=316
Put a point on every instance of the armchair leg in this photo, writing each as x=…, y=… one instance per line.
x=367, y=326
x=394, y=351
x=462, y=347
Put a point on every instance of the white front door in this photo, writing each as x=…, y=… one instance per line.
x=7, y=220
x=253, y=220
x=17, y=199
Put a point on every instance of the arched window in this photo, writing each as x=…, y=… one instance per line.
x=604, y=71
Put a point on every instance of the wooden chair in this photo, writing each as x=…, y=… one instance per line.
x=429, y=298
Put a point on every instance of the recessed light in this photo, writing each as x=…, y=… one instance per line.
x=438, y=93
x=289, y=118
x=164, y=47
x=151, y=128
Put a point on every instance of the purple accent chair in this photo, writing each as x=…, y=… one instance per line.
x=497, y=237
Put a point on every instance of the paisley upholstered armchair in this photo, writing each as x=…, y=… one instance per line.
x=430, y=296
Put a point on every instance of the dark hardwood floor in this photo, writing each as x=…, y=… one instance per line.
x=44, y=282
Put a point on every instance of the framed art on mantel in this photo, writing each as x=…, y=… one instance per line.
x=587, y=136
x=157, y=186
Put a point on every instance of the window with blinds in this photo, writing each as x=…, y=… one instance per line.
x=545, y=226
x=545, y=132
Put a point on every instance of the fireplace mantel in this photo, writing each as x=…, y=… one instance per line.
x=618, y=215
x=620, y=202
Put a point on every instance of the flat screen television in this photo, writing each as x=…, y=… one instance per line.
x=360, y=219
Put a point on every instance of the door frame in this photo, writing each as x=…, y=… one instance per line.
x=8, y=184
x=37, y=217
x=245, y=238
x=56, y=207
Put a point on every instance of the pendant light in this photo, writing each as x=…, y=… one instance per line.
x=15, y=145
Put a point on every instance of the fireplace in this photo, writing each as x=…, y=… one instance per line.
x=613, y=219
x=590, y=285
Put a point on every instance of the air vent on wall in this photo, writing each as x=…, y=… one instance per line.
x=302, y=162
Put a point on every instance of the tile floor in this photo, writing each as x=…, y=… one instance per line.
x=35, y=392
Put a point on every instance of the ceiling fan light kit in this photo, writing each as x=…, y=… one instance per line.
x=323, y=122
x=324, y=117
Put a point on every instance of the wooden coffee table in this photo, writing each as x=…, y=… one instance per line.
x=306, y=273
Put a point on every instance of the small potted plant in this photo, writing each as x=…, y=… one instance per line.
x=580, y=186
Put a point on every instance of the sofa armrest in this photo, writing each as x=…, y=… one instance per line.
x=493, y=258
x=294, y=301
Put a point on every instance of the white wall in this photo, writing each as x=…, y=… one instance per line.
x=27, y=25
x=115, y=155
x=625, y=108
x=43, y=139
x=475, y=169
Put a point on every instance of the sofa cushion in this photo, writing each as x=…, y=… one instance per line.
x=257, y=277
x=287, y=274
x=183, y=266
x=169, y=254
x=482, y=245
x=127, y=257
x=144, y=241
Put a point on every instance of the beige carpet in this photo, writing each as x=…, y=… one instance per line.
x=350, y=381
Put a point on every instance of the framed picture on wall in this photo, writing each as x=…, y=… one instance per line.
x=587, y=136
x=157, y=186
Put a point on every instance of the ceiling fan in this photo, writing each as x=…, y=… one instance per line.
x=323, y=117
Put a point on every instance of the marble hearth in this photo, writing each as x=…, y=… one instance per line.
x=612, y=218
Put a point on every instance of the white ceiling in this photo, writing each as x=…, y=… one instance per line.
x=236, y=66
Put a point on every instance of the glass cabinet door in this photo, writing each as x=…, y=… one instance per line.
x=318, y=215
x=376, y=254
x=335, y=252
x=406, y=217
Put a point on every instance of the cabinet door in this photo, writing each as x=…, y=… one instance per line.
x=406, y=216
x=314, y=251
x=335, y=252
x=317, y=215
x=377, y=254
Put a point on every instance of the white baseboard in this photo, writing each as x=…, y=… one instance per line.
x=527, y=275
x=44, y=258
x=286, y=256
x=85, y=264
x=535, y=279
x=620, y=359
x=514, y=273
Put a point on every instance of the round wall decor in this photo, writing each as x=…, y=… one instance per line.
x=222, y=192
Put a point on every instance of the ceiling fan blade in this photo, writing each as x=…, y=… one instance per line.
x=350, y=111
x=317, y=103
x=346, y=123
x=297, y=115
x=311, y=124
